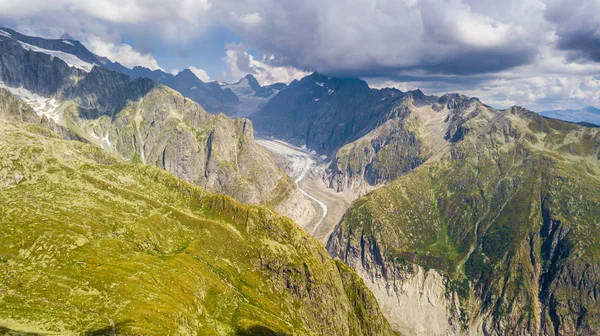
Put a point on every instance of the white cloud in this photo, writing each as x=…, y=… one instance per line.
x=122, y=53
x=200, y=73
x=251, y=19
x=242, y=63
x=175, y=21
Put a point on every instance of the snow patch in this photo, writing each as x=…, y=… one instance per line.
x=106, y=140
x=316, y=99
x=330, y=91
x=42, y=106
x=68, y=42
x=71, y=60
x=5, y=33
x=321, y=84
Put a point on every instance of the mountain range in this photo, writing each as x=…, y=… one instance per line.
x=142, y=121
x=464, y=219
x=474, y=220
x=325, y=113
x=588, y=114
x=214, y=97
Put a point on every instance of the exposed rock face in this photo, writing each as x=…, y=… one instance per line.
x=14, y=110
x=142, y=121
x=503, y=219
x=387, y=152
x=91, y=245
x=166, y=130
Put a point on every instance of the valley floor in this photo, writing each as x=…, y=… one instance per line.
x=305, y=169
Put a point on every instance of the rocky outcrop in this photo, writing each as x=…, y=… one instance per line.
x=416, y=301
x=501, y=222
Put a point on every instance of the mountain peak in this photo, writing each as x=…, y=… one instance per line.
x=254, y=84
x=187, y=74
x=334, y=81
x=66, y=36
x=417, y=94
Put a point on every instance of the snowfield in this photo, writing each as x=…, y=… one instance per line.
x=43, y=106
x=71, y=60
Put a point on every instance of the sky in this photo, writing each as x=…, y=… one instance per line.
x=539, y=54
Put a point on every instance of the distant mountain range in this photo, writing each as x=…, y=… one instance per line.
x=248, y=97
x=588, y=114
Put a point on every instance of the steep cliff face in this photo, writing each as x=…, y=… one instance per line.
x=503, y=219
x=92, y=245
x=142, y=121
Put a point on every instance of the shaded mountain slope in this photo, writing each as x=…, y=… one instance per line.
x=412, y=133
x=325, y=113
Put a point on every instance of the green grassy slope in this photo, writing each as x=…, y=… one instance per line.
x=90, y=245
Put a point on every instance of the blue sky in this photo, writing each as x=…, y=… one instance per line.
x=540, y=54
x=205, y=52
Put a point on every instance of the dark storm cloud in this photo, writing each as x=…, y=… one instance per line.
x=577, y=27
x=366, y=37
